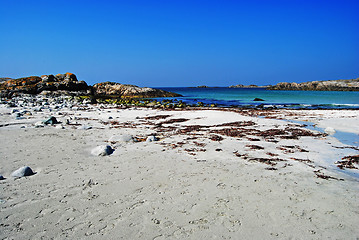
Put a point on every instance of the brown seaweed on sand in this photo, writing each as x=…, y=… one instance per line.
x=175, y=120
x=269, y=161
x=157, y=117
x=255, y=147
x=348, y=162
x=232, y=132
x=244, y=155
x=216, y=138
x=319, y=174
x=237, y=124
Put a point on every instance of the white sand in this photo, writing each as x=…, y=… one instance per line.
x=160, y=190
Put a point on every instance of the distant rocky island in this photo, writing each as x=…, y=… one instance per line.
x=67, y=84
x=330, y=85
x=247, y=86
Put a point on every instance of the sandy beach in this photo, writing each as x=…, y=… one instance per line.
x=180, y=174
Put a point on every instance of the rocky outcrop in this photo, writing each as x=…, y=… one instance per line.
x=35, y=85
x=67, y=84
x=331, y=85
x=130, y=91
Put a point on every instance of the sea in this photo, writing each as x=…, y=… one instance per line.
x=244, y=98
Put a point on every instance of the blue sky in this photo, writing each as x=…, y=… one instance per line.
x=181, y=43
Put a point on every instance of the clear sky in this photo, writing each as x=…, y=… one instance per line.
x=181, y=43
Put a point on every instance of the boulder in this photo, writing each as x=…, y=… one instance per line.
x=22, y=172
x=69, y=85
x=258, y=99
x=1, y=177
x=35, y=85
x=102, y=150
x=48, y=78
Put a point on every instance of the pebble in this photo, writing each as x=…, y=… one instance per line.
x=102, y=150
x=121, y=138
x=151, y=139
x=84, y=127
x=39, y=124
x=329, y=130
x=22, y=172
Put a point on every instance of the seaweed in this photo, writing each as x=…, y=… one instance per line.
x=255, y=147
x=269, y=161
x=348, y=162
x=319, y=174
x=216, y=138
x=157, y=117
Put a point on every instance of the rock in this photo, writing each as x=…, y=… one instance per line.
x=237, y=86
x=84, y=127
x=51, y=120
x=331, y=85
x=121, y=138
x=258, y=99
x=48, y=78
x=132, y=91
x=329, y=130
x=60, y=127
x=151, y=139
x=35, y=85
x=39, y=124
x=102, y=150
x=1, y=177
x=22, y=172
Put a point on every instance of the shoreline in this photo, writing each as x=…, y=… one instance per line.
x=205, y=173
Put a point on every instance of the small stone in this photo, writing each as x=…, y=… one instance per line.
x=51, y=120
x=258, y=99
x=39, y=124
x=121, y=138
x=22, y=172
x=329, y=130
x=102, y=150
x=1, y=177
x=151, y=139
x=84, y=127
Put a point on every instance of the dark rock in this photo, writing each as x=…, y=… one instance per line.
x=22, y=172
x=48, y=78
x=35, y=85
x=258, y=99
x=51, y=120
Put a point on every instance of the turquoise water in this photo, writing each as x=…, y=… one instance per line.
x=243, y=97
